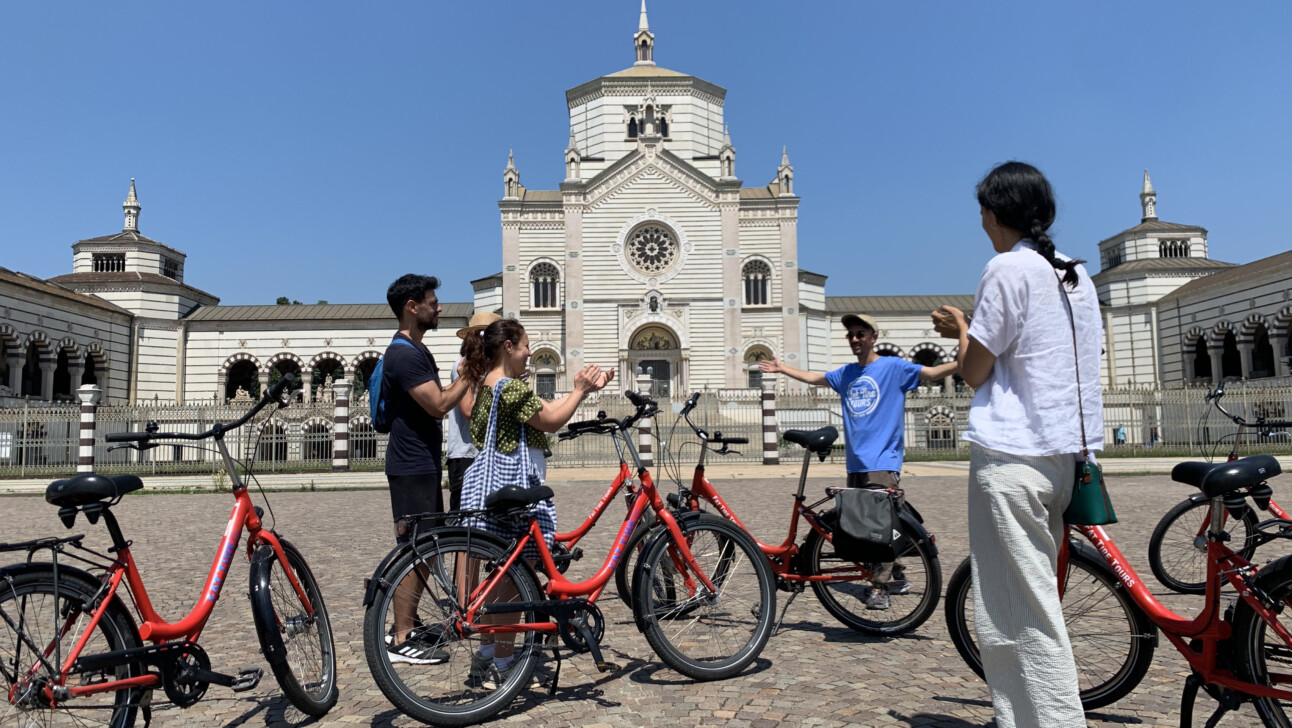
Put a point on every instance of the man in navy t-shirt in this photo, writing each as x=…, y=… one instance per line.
x=873, y=393
x=416, y=403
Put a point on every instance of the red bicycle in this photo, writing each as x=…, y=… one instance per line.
x=1177, y=551
x=1238, y=654
x=487, y=618
x=841, y=585
x=71, y=652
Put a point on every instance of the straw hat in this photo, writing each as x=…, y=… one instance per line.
x=478, y=322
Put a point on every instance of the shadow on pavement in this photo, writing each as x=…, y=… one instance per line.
x=649, y=674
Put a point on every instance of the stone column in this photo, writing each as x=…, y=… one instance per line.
x=1217, y=370
x=221, y=381
x=263, y=376
x=1279, y=342
x=341, y=427
x=1245, y=351
x=644, y=449
x=75, y=370
x=89, y=396
x=16, y=364
x=47, y=367
x=771, y=445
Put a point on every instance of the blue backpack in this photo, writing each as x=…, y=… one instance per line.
x=377, y=410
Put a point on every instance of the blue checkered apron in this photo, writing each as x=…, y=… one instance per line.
x=493, y=470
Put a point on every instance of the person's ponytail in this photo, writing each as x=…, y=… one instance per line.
x=480, y=349
x=1045, y=247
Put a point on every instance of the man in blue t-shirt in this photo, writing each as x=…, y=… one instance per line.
x=873, y=393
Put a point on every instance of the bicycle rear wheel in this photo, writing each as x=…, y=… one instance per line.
x=448, y=681
x=34, y=616
x=1263, y=658
x=297, y=644
x=703, y=636
x=1177, y=551
x=1112, y=639
x=845, y=598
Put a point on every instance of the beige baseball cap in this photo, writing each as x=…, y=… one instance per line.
x=479, y=322
x=859, y=319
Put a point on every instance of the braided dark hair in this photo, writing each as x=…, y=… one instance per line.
x=1022, y=200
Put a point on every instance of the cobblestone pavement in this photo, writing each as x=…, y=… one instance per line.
x=814, y=672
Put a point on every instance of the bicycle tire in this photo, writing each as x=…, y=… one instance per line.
x=28, y=598
x=735, y=565
x=434, y=693
x=1173, y=550
x=1091, y=587
x=906, y=612
x=298, y=647
x=1251, y=651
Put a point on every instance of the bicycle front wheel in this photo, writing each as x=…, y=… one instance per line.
x=844, y=596
x=428, y=668
x=1263, y=657
x=1112, y=639
x=703, y=635
x=296, y=641
x=35, y=619
x=1177, y=551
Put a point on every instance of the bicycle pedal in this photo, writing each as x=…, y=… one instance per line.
x=607, y=667
x=247, y=680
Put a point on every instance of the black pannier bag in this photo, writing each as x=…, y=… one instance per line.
x=864, y=526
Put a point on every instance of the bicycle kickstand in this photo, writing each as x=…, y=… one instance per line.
x=1226, y=699
x=793, y=594
x=556, y=656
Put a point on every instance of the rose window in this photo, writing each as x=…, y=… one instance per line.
x=652, y=249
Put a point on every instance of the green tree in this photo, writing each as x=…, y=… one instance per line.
x=285, y=301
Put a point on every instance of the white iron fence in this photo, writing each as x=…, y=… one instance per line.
x=40, y=439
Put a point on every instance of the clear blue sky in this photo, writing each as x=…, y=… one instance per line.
x=316, y=150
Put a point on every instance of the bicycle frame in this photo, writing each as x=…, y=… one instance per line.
x=624, y=479
x=154, y=628
x=1208, y=627
x=779, y=557
x=557, y=586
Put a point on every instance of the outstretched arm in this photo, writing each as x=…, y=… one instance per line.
x=555, y=414
x=941, y=371
x=776, y=366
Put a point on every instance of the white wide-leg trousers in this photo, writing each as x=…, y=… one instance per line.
x=1016, y=508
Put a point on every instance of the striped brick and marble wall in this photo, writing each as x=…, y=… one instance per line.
x=341, y=428
x=89, y=396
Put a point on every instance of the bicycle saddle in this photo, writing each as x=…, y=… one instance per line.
x=1217, y=479
x=818, y=441
x=513, y=496
x=87, y=488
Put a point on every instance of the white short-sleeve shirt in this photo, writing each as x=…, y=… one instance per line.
x=1028, y=405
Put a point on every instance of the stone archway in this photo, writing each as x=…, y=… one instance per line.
x=240, y=372
x=656, y=347
x=324, y=369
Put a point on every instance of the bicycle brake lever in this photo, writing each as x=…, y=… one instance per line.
x=128, y=445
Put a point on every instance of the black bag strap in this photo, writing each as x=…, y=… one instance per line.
x=1076, y=359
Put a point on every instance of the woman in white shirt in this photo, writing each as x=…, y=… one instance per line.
x=1025, y=435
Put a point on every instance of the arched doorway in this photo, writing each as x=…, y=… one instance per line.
x=754, y=375
x=942, y=432
x=62, y=377
x=656, y=348
x=1231, y=363
x=242, y=375
x=1201, y=359
x=282, y=368
x=91, y=374
x=1262, y=354
x=323, y=375
x=31, y=372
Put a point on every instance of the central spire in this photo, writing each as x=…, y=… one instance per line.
x=644, y=41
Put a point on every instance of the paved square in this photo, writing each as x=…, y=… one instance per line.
x=814, y=672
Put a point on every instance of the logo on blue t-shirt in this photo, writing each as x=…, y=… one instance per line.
x=863, y=396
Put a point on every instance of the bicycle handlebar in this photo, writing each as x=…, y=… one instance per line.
x=646, y=407
x=1214, y=398
x=150, y=432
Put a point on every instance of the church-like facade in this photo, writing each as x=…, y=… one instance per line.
x=651, y=254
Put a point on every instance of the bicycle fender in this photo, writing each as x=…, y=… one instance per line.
x=660, y=531
x=259, y=589
x=1198, y=497
x=911, y=519
x=371, y=585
